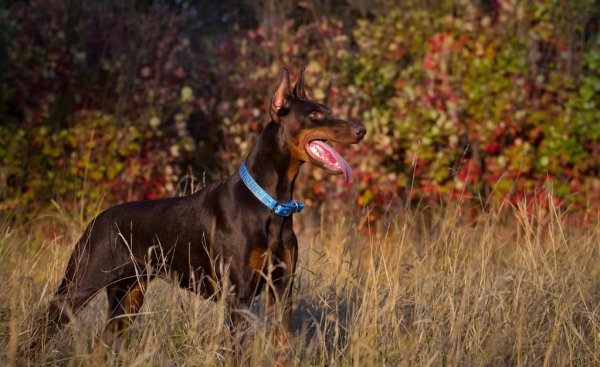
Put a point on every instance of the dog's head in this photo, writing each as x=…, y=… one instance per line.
x=308, y=125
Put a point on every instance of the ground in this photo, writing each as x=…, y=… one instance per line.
x=520, y=287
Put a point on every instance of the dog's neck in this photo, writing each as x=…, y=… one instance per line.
x=269, y=163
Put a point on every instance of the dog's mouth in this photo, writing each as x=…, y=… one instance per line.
x=326, y=156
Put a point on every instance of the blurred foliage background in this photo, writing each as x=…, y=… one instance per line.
x=483, y=101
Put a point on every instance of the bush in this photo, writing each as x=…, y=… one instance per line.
x=98, y=103
x=478, y=101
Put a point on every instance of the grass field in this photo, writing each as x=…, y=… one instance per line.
x=419, y=289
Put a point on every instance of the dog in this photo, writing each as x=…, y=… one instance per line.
x=244, y=222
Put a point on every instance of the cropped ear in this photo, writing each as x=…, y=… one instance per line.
x=280, y=96
x=299, y=87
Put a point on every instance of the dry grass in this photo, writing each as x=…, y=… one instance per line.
x=521, y=291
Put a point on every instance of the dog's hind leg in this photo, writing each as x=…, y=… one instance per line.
x=84, y=278
x=61, y=310
x=125, y=298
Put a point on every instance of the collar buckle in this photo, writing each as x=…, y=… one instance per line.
x=281, y=209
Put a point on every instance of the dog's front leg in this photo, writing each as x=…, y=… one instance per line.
x=279, y=302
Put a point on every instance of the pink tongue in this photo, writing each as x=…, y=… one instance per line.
x=330, y=158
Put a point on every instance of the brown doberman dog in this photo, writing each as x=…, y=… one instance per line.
x=243, y=222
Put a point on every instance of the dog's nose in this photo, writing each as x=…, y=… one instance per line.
x=359, y=130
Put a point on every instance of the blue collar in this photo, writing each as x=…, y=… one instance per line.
x=281, y=209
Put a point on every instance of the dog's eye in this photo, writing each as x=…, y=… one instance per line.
x=315, y=115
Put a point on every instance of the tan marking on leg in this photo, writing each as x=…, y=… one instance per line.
x=288, y=257
x=258, y=259
x=130, y=306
